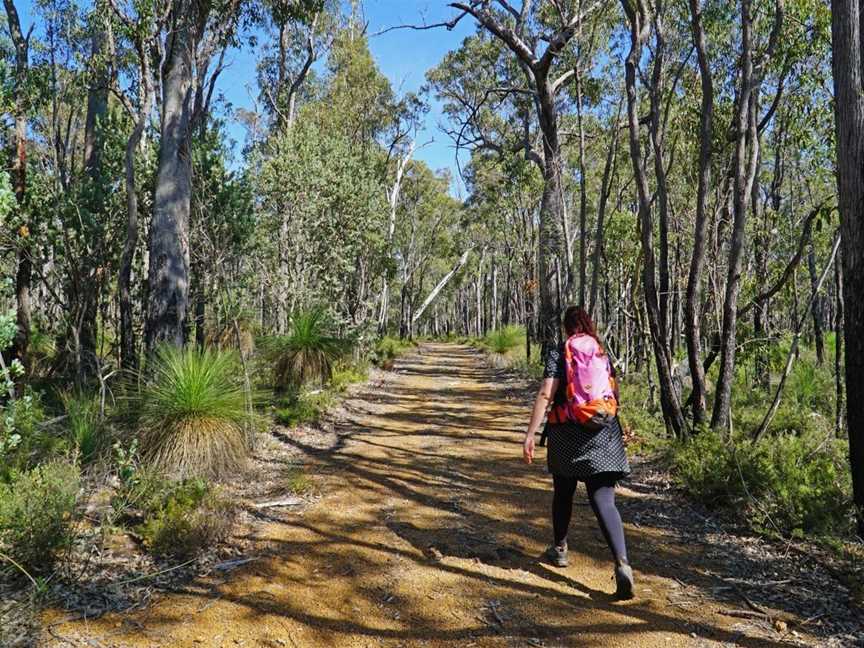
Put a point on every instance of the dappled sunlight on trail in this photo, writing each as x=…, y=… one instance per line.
x=428, y=533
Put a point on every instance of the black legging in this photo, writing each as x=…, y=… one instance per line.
x=601, y=494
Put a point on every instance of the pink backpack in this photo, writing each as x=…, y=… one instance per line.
x=591, y=388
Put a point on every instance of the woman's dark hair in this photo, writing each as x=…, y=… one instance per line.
x=577, y=320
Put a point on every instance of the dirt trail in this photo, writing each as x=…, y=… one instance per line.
x=428, y=533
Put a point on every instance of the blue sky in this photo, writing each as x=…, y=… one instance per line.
x=403, y=56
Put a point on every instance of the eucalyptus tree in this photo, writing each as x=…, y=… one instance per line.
x=304, y=32
x=194, y=30
x=848, y=45
x=745, y=130
x=21, y=102
x=142, y=30
x=527, y=48
x=639, y=20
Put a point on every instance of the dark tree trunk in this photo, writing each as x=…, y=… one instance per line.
x=24, y=272
x=744, y=131
x=551, y=243
x=838, y=347
x=669, y=398
x=693, y=300
x=846, y=30
x=86, y=293
x=168, y=278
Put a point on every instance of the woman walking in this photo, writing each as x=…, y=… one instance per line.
x=585, y=442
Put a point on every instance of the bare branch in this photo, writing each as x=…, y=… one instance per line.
x=447, y=24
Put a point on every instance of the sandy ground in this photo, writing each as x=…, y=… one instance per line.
x=428, y=532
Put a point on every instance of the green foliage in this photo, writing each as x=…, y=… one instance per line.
x=327, y=201
x=504, y=340
x=303, y=407
x=186, y=518
x=387, y=349
x=812, y=387
x=18, y=414
x=308, y=353
x=193, y=413
x=86, y=426
x=346, y=374
x=786, y=483
x=37, y=514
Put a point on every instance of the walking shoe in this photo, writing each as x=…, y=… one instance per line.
x=557, y=555
x=623, y=582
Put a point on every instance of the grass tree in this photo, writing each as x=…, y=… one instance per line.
x=308, y=353
x=193, y=417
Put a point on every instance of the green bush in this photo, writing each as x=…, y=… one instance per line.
x=387, y=349
x=812, y=386
x=24, y=443
x=303, y=407
x=85, y=424
x=37, y=514
x=185, y=519
x=346, y=374
x=193, y=417
x=137, y=483
x=504, y=340
x=786, y=483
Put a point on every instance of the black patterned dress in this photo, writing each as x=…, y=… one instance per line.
x=575, y=451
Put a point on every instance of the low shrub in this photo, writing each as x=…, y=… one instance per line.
x=504, y=340
x=786, y=483
x=37, y=514
x=297, y=482
x=186, y=518
x=346, y=374
x=24, y=442
x=387, y=349
x=193, y=418
x=137, y=484
x=303, y=407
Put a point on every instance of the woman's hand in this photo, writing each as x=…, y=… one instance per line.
x=528, y=448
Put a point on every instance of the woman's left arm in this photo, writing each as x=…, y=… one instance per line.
x=541, y=404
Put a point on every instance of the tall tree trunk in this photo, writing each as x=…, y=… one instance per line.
x=838, y=348
x=24, y=272
x=846, y=31
x=745, y=130
x=669, y=398
x=87, y=294
x=393, y=203
x=693, y=300
x=605, y=190
x=551, y=243
x=657, y=141
x=128, y=345
x=583, y=195
x=168, y=279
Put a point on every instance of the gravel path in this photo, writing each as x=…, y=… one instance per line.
x=428, y=532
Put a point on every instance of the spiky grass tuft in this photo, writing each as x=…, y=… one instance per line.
x=308, y=353
x=193, y=415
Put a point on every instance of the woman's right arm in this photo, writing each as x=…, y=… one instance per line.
x=541, y=404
